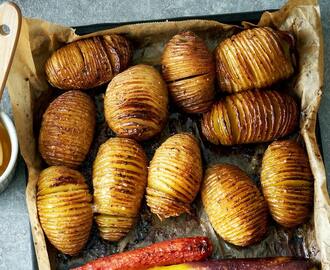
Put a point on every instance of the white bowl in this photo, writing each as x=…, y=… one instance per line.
x=8, y=174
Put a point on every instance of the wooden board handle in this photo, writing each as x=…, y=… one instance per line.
x=10, y=26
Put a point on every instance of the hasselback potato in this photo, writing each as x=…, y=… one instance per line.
x=67, y=129
x=287, y=183
x=88, y=63
x=135, y=103
x=254, y=58
x=64, y=208
x=250, y=117
x=234, y=205
x=119, y=180
x=175, y=175
x=188, y=69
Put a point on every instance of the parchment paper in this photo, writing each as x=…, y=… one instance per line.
x=30, y=94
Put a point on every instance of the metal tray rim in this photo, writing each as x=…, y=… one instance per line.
x=227, y=18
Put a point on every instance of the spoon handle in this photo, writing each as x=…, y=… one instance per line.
x=10, y=26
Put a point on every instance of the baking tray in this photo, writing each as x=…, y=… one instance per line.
x=230, y=18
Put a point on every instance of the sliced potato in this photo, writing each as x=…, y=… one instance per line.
x=274, y=113
x=277, y=117
x=245, y=125
x=294, y=115
x=270, y=114
x=175, y=175
x=250, y=111
x=287, y=183
x=208, y=127
x=193, y=94
x=67, y=129
x=188, y=69
x=119, y=181
x=121, y=48
x=64, y=208
x=254, y=58
x=88, y=63
x=234, y=205
x=135, y=103
x=234, y=118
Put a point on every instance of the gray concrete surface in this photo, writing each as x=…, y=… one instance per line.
x=15, y=241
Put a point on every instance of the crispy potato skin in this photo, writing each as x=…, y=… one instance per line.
x=67, y=129
x=119, y=180
x=135, y=103
x=287, y=183
x=175, y=175
x=88, y=63
x=189, y=70
x=250, y=117
x=234, y=205
x=64, y=208
x=254, y=58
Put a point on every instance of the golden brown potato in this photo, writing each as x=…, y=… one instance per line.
x=135, y=103
x=254, y=58
x=287, y=183
x=67, y=129
x=88, y=63
x=250, y=117
x=189, y=71
x=119, y=180
x=64, y=208
x=175, y=175
x=234, y=205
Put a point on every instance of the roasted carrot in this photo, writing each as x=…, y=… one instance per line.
x=277, y=263
x=163, y=253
